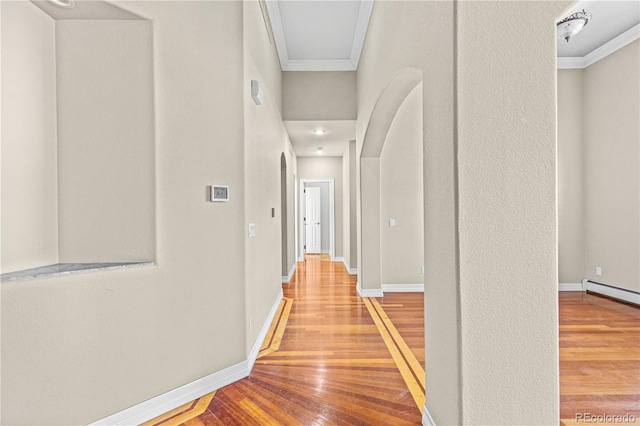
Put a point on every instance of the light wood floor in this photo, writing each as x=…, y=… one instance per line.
x=331, y=357
x=599, y=357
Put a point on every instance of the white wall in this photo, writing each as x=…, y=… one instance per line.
x=106, y=164
x=29, y=163
x=326, y=168
x=401, y=196
x=490, y=211
x=62, y=336
x=265, y=141
x=571, y=248
x=612, y=168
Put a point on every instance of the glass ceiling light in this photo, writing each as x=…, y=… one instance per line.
x=68, y=4
x=319, y=132
x=319, y=150
x=572, y=24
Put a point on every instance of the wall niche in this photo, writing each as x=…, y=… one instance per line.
x=78, y=160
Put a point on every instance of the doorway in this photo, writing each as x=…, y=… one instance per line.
x=316, y=213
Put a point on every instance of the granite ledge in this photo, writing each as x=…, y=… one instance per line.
x=67, y=269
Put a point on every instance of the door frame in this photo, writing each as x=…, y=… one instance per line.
x=332, y=216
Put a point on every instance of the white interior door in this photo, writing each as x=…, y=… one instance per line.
x=312, y=225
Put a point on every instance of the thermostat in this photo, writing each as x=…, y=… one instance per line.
x=219, y=193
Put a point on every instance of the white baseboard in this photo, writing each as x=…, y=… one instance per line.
x=427, y=420
x=287, y=279
x=615, y=292
x=403, y=288
x=369, y=292
x=166, y=402
x=253, y=354
x=570, y=287
x=350, y=270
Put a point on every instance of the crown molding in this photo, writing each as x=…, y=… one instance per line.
x=350, y=64
x=601, y=52
x=362, y=24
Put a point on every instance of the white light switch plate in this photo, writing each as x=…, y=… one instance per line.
x=252, y=230
x=392, y=222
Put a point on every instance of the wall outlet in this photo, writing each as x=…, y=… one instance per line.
x=422, y=270
x=598, y=270
x=392, y=222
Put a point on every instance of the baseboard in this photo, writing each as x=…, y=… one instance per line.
x=427, y=420
x=570, y=287
x=253, y=354
x=403, y=288
x=350, y=270
x=369, y=292
x=166, y=402
x=615, y=292
x=287, y=279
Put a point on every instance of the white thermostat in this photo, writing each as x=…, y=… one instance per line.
x=219, y=193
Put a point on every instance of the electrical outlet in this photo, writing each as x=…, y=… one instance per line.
x=598, y=270
x=422, y=270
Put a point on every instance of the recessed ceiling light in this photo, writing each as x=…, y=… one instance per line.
x=68, y=4
x=319, y=132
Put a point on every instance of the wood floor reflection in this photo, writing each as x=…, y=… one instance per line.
x=333, y=358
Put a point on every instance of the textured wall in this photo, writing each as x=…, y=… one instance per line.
x=571, y=248
x=62, y=336
x=29, y=163
x=612, y=168
x=489, y=180
x=507, y=213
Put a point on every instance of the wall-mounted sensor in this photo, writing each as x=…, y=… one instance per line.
x=256, y=92
x=219, y=193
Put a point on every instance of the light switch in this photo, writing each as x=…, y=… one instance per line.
x=392, y=222
x=252, y=230
x=598, y=270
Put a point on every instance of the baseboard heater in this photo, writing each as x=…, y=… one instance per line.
x=614, y=292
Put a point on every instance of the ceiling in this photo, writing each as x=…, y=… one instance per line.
x=319, y=35
x=334, y=141
x=609, y=20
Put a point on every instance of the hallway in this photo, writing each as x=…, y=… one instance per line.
x=333, y=365
x=332, y=357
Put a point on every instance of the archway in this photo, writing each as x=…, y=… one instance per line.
x=382, y=116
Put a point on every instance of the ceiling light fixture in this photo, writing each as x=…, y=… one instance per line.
x=319, y=132
x=67, y=4
x=319, y=150
x=572, y=24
